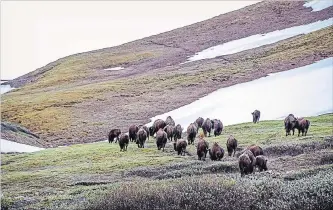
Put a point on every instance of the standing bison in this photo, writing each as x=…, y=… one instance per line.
x=178, y=132
x=169, y=129
x=256, y=150
x=245, y=164
x=261, y=163
x=302, y=125
x=114, y=133
x=218, y=127
x=231, y=145
x=200, y=121
x=123, y=142
x=156, y=126
x=161, y=139
x=216, y=152
x=132, y=132
x=146, y=129
x=255, y=116
x=142, y=136
x=191, y=133
x=180, y=146
x=202, y=149
x=289, y=124
x=207, y=126
x=170, y=121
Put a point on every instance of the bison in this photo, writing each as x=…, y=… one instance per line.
x=207, y=126
x=255, y=116
x=245, y=164
x=178, y=132
x=142, y=136
x=216, y=152
x=231, y=145
x=132, y=132
x=146, y=129
x=200, y=121
x=191, y=133
x=202, y=149
x=218, y=127
x=161, y=139
x=123, y=142
x=114, y=133
x=302, y=125
x=156, y=126
x=256, y=150
x=180, y=146
x=169, y=129
x=261, y=163
x=289, y=124
x=170, y=121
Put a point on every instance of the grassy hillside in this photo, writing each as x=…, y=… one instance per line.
x=98, y=176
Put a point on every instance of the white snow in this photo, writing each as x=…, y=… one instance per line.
x=318, y=5
x=10, y=146
x=114, y=68
x=6, y=88
x=304, y=91
x=259, y=40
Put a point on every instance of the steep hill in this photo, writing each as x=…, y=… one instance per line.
x=74, y=100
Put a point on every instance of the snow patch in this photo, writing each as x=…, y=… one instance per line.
x=6, y=88
x=114, y=69
x=318, y=5
x=10, y=146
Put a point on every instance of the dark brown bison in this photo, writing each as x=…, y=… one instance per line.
x=251, y=156
x=255, y=116
x=114, y=133
x=218, y=127
x=161, y=139
x=200, y=121
x=123, y=142
x=180, y=146
x=302, y=125
x=170, y=121
x=261, y=163
x=231, y=145
x=156, y=126
x=216, y=152
x=256, y=150
x=178, y=132
x=132, y=132
x=289, y=124
x=169, y=129
x=142, y=136
x=191, y=133
x=245, y=164
x=207, y=126
x=197, y=126
x=202, y=149
x=146, y=129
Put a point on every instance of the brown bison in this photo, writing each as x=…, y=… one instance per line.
x=216, y=152
x=200, y=121
x=255, y=116
x=202, y=149
x=114, y=133
x=197, y=126
x=123, y=142
x=289, y=124
x=169, y=129
x=146, y=129
x=218, y=127
x=180, y=146
x=251, y=156
x=245, y=164
x=261, y=163
x=132, y=132
x=161, y=139
x=191, y=133
x=256, y=150
x=178, y=132
x=231, y=145
x=142, y=136
x=207, y=126
x=156, y=126
x=170, y=121
x=302, y=125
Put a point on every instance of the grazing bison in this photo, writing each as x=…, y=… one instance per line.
x=216, y=152
x=156, y=126
x=256, y=116
x=256, y=150
x=218, y=127
x=170, y=121
x=207, y=126
x=178, y=132
x=245, y=164
x=161, y=139
x=180, y=146
x=289, y=124
x=132, y=132
x=169, y=129
x=123, y=142
x=191, y=133
x=146, y=129
x=302, y=125
x=200, y=121
x=142, y=136
x=231, y=145
x=261, y=163
x=202, y=149
x=114, y=133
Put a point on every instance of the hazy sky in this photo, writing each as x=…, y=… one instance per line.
x=36, y=33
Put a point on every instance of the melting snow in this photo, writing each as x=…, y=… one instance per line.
x=259, y=40
x=318, y=5
x=114, y=69
x=304, y=91
x=10, y=146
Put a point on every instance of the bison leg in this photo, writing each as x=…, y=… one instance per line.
x=293, y=131
x=306, y=131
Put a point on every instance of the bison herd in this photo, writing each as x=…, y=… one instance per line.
x=248, y=159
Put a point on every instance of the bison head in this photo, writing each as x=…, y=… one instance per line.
x=151, y=130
